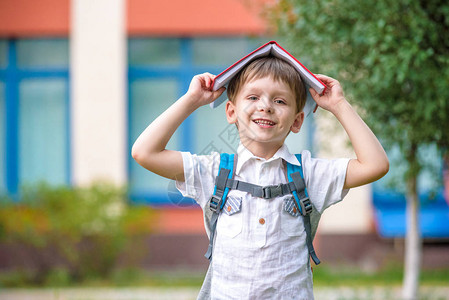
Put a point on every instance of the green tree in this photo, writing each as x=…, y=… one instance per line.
x=393, y=59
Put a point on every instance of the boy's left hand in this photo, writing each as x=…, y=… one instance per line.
x=332, y=96
x=371, y=162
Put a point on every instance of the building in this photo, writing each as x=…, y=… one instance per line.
x=80, y=79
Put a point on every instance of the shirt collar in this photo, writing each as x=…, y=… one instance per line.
x=245, y=155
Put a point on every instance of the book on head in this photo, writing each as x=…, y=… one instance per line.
x=274, y=49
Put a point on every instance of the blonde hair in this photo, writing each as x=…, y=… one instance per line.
x=275, y=68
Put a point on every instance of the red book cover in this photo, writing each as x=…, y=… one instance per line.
x=274, y=49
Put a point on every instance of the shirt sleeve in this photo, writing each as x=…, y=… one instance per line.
x=199, y=176
x=324, y=180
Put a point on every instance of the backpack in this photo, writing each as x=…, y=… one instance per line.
x=224, y=182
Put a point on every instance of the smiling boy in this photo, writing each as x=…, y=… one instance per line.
x=260, y=247
x=266, y=107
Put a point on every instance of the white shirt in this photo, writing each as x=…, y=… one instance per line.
x=260, y=250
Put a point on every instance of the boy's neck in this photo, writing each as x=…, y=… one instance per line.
x=262, y=150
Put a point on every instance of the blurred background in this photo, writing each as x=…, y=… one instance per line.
x=81, y=79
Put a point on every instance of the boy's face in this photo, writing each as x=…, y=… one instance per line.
x=265, y=112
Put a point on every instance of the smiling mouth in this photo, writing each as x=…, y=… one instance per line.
x=264, y=123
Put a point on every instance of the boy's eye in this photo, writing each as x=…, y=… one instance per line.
x=279, y=101
x=253, y=98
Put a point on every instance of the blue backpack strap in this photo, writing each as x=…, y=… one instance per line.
x=218, y=199
x=295, y=174
x=225, y=172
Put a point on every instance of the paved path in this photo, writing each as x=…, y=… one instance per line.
x=99, y=294
x=322, y=293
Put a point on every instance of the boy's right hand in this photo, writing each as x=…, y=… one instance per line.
x=200, y=89
x=150, y=151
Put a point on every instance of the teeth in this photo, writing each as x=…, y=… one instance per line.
x=264, y=122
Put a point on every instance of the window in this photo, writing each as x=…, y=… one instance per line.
x=42, y=131
x=160, y=71
x=389, y=197
x=149, y=98
x=2, y=137
x=429, y=180
x=3, y=54
x=215, y=51
x=155, y=52
x=46, y=54
x=34, y=99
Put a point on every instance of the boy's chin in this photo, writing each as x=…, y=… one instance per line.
x=266, y=143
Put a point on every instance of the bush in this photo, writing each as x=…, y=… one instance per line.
x=69, y=234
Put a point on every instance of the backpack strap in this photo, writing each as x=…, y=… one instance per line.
x=266, y=192
x=296, y=187
x=302, y=202
x=218, y=199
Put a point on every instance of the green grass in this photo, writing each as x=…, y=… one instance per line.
x=389, y=275
x=119, y=278
x=324, y=275
x=178, y=278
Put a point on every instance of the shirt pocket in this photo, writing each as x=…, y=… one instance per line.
x=291, y=219
x=230, y=221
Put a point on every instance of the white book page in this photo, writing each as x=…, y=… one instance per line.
x=306, y=75
x=225, y=78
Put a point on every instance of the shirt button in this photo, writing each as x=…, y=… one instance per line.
x=229, y=208
x=262, y=221
x=294, y=210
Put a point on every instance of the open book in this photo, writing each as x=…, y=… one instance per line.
x=274, y=49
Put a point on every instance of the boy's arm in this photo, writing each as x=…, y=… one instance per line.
x=371, y=162
x=149, y=148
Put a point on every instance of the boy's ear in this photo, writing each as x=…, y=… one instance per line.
x=231, y=114
x=299, y=119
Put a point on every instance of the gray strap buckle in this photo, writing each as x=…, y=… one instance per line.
x=215, y=203
x=272, y=191
x=306, y=206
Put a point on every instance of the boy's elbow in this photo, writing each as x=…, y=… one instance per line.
x=136, y=153
x=143, y=156
x=387, y=166
x=378, y=170
x=384, y=167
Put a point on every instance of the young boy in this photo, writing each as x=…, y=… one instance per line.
x=260, y=247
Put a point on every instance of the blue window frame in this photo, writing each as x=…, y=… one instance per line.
x=34, y=102
x=160, y=71
x=389, y=200
x=2, y=137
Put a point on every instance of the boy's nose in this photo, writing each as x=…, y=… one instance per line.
x=265, y=106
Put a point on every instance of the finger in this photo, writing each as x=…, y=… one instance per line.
x=322, y=76
x=201, y=79
x=218, y=92
x=314, y=94
x=208, y=75
x=209, y=80
x=326, y=79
